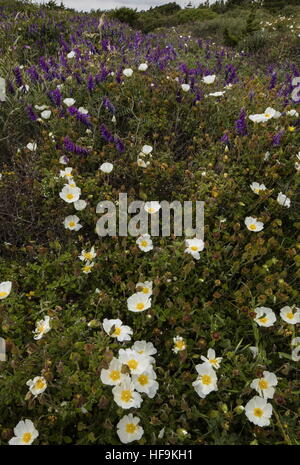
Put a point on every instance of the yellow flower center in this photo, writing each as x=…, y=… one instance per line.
x=87, y=268
x=267, y=115
x=116, y=332
x=290, y=315
x=126, y=395
x=70, y=196
x=256, y=190
x=132, y=364
x=130, y=428
x=151, y=210
x=206, y=379
x=40, y=328
x=40, y=384
x=88, y=255
x=263, y=384
x=26, y=438
x=115, y=375
x=180, y=345
x=140, y=306
x=263, y=320
x=144, y=243
x=194, y=248
x=258, y=412
x=213, y=361
x=252, y=227
x=143, y=379
x=145, y=290
x=72, y=224
x=3, y=294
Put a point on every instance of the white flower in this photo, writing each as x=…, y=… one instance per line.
x=128, y=72
x=137, y=363
x=88, y=256
x=258, y=411
x=66, y=173
x=87, y=267
x=152, y=207
x=217, y=94
x=206, y=381
x=185, y=87
x=71, y=54
x=125, y=396
x=128, y=429
x=116, y=329
x=265, y=385
x=25, y=434
x=63, y=160
x=145, y=243
x=146, y=382
x=46, y=114
x=106, y=167
x=83, y=111
x=146, y=149
x=139, y=302
x=142, y=164
x=145, y=287
x=254, y=351
x=194, y=246
x=32, y=146
x=290, y=314
x=70, y=194
x=292, y=113
x=42, y=327
x=296, y=351
x=113, y=375
x=179, y=344
x=41, y=107
x=69, y=102
x=263, y=117
x=145, y=348
x=2, y=90
x=257, y=188
x=143, y=67
x=5, y=288
x=37, y=385
x=80, y=204
x=212, y=359
x=265, y=316
x=254, y=225
x=72, y=222
x=283, y=200
x=210, y=79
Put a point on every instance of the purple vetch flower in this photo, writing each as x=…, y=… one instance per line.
x=240, y=124
x=108, y=105
x=31, y=114
x=106, y=134
x=119, y=145
x=70, y=146
x=225, y=139
x=18, y=76
x=80, y=116
x=277, y=138
x=90, y=83
x=10, y=88
x=43, y=64
x=34, y=75
x=55, y=97
x=273, y=80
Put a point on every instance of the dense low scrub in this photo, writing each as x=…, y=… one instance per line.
x=93, y=108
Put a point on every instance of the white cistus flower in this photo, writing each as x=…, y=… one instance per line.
x=265, y=385
x=5, y=289
x=128, y=429
x=258, y=411
x=139, y=302
x=25, y=433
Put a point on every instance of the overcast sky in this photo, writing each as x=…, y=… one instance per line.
x=109, y=4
